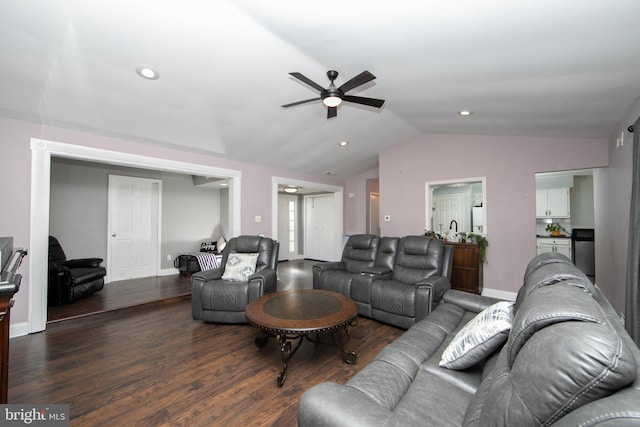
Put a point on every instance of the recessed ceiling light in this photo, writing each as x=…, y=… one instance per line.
x=465, y=113
x=147, y=72
x=344, y=143
x=290, y=189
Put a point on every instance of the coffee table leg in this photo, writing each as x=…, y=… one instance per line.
x=350, y=357
x=286, y=353
x=262, y=341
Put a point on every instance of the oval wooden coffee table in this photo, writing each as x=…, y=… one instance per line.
x=294, y=315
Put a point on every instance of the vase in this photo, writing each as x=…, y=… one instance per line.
x=555, y=232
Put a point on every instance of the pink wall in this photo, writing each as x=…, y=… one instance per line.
x=15, y=140
x=509, y=165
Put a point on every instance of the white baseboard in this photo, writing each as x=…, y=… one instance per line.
x=18, y=329
x=496, y=293
x=168, y=272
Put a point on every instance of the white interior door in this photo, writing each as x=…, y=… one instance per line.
x=319, y=228
x=133, y=227
x=448, y=208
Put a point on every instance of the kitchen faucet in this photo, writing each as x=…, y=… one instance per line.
x=451, y=224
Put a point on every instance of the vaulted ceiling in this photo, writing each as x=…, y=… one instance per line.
x=523, y=67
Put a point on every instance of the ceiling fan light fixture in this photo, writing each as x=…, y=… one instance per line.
x=332, y=101
x=147, y=72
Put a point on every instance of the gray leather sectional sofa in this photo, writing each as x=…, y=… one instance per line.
x=566, y=361
x=391, y=279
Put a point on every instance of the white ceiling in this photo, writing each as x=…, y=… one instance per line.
x=525, y=67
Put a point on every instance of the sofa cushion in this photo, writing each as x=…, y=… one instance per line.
x=480, y=337
x=418, y=257
x=395, y=297
x=543, y=259
x=387, y=378
x=360, y=252
x=240, y=266
x=550, y=274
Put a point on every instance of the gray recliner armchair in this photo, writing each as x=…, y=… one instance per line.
x=216, y=298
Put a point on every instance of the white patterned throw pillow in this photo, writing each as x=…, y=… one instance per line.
x=480, y=337
x=239, y=267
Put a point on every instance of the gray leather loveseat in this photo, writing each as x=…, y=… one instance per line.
x=391, y=279
x=566, y=361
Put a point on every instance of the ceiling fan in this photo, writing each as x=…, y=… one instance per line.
x=333, y=96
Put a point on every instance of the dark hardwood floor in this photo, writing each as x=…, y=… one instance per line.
x=153, y=365
x=123, y=294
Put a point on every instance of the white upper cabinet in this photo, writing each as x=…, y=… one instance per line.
x=553, y=203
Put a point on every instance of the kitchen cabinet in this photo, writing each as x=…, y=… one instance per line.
x=557, y=245
x=553, y=203
x=466, y=271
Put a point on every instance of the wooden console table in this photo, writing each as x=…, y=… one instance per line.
x=466, y=272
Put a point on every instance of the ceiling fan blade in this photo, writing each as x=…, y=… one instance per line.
x=332, y=112
x=358, y=80
x=372, y=102
x=301, y=102
x=308, y=81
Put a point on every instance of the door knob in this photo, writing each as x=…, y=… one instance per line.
x=113, y=235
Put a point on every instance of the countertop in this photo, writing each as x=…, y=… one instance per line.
x=549, y=236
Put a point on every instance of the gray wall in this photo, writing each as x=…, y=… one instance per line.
x=78, y=209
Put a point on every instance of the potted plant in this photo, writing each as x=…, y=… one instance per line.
x=482, y=243
x=554, y=228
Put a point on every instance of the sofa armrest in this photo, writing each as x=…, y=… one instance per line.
x=438, y=284
x=261, y=283
x=83, y=263
x=471, y=302
x=333, y=405
x=320, y=268
x=383, y=272
x=429, y=291
x=337, y=265
x=206, y=275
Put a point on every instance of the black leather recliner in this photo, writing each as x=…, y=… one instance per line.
x=214, y=299
x=71, y=280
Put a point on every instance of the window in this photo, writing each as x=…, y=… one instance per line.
x=292, y=226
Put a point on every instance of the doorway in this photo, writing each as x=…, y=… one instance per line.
x=374, y=213
x=41, y=153
x=332, y=241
